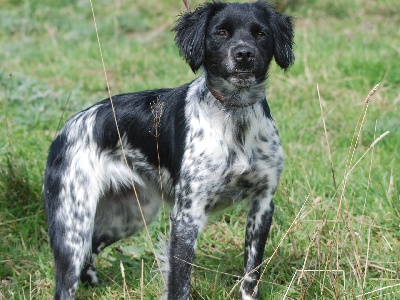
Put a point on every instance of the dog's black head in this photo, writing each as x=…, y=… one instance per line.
x=235, y=43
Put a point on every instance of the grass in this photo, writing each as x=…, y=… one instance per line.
x=50, y=69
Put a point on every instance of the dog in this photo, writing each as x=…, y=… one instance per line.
x=216, y=144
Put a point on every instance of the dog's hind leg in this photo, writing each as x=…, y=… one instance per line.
x=70, y=217
x=71, y=196
x=117, y=217
x=89, y=276
x=104, y=234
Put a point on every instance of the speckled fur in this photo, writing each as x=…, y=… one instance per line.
x=218, y=145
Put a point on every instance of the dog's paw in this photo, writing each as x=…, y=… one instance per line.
x=249, y=290
x=89, y=277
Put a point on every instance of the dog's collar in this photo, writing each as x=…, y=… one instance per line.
x=225, y=101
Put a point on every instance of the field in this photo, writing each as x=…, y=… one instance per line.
x=336, y=230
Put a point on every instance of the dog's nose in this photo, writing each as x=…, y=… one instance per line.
x=243, y=54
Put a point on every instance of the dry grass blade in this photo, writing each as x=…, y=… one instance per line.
x=62, y=116
x=121, y=266
x=206, y=269
x=157, y=109
x=142, y=281
x=369, y=182
x=327, y=139
x=353, y=147
x=366, y=260
x=121, y=143
x=187, y=5
x=387, y=243
x=312, y=271
x=379, y=290
x=377, y=140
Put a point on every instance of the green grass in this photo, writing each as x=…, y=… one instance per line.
x=50, y=69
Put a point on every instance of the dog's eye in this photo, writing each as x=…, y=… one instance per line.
x=223, y=32
x=261, y=34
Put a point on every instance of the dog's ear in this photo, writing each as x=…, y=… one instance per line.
x=283, y=40
x=190, y=31
x=282, y=30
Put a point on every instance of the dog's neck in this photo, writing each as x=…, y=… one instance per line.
x=235, y=97
x=224, y=101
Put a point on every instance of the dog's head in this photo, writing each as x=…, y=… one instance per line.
x=239, y=34
x=235, y=42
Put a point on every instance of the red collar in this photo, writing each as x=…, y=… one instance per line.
x=223, y=100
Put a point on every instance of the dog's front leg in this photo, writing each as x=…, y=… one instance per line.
x=186, y=222
x=258, y=225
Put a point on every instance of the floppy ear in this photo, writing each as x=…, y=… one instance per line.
x=283, y=40
x=190, y=32
x=282, y=30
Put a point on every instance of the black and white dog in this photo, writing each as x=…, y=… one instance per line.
x=217, y=143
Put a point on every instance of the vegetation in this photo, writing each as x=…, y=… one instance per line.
x=336, y=232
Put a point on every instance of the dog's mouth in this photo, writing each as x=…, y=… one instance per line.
x=243, y=73
x=242, y=78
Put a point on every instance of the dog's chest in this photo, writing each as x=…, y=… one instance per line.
x=231, y=155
